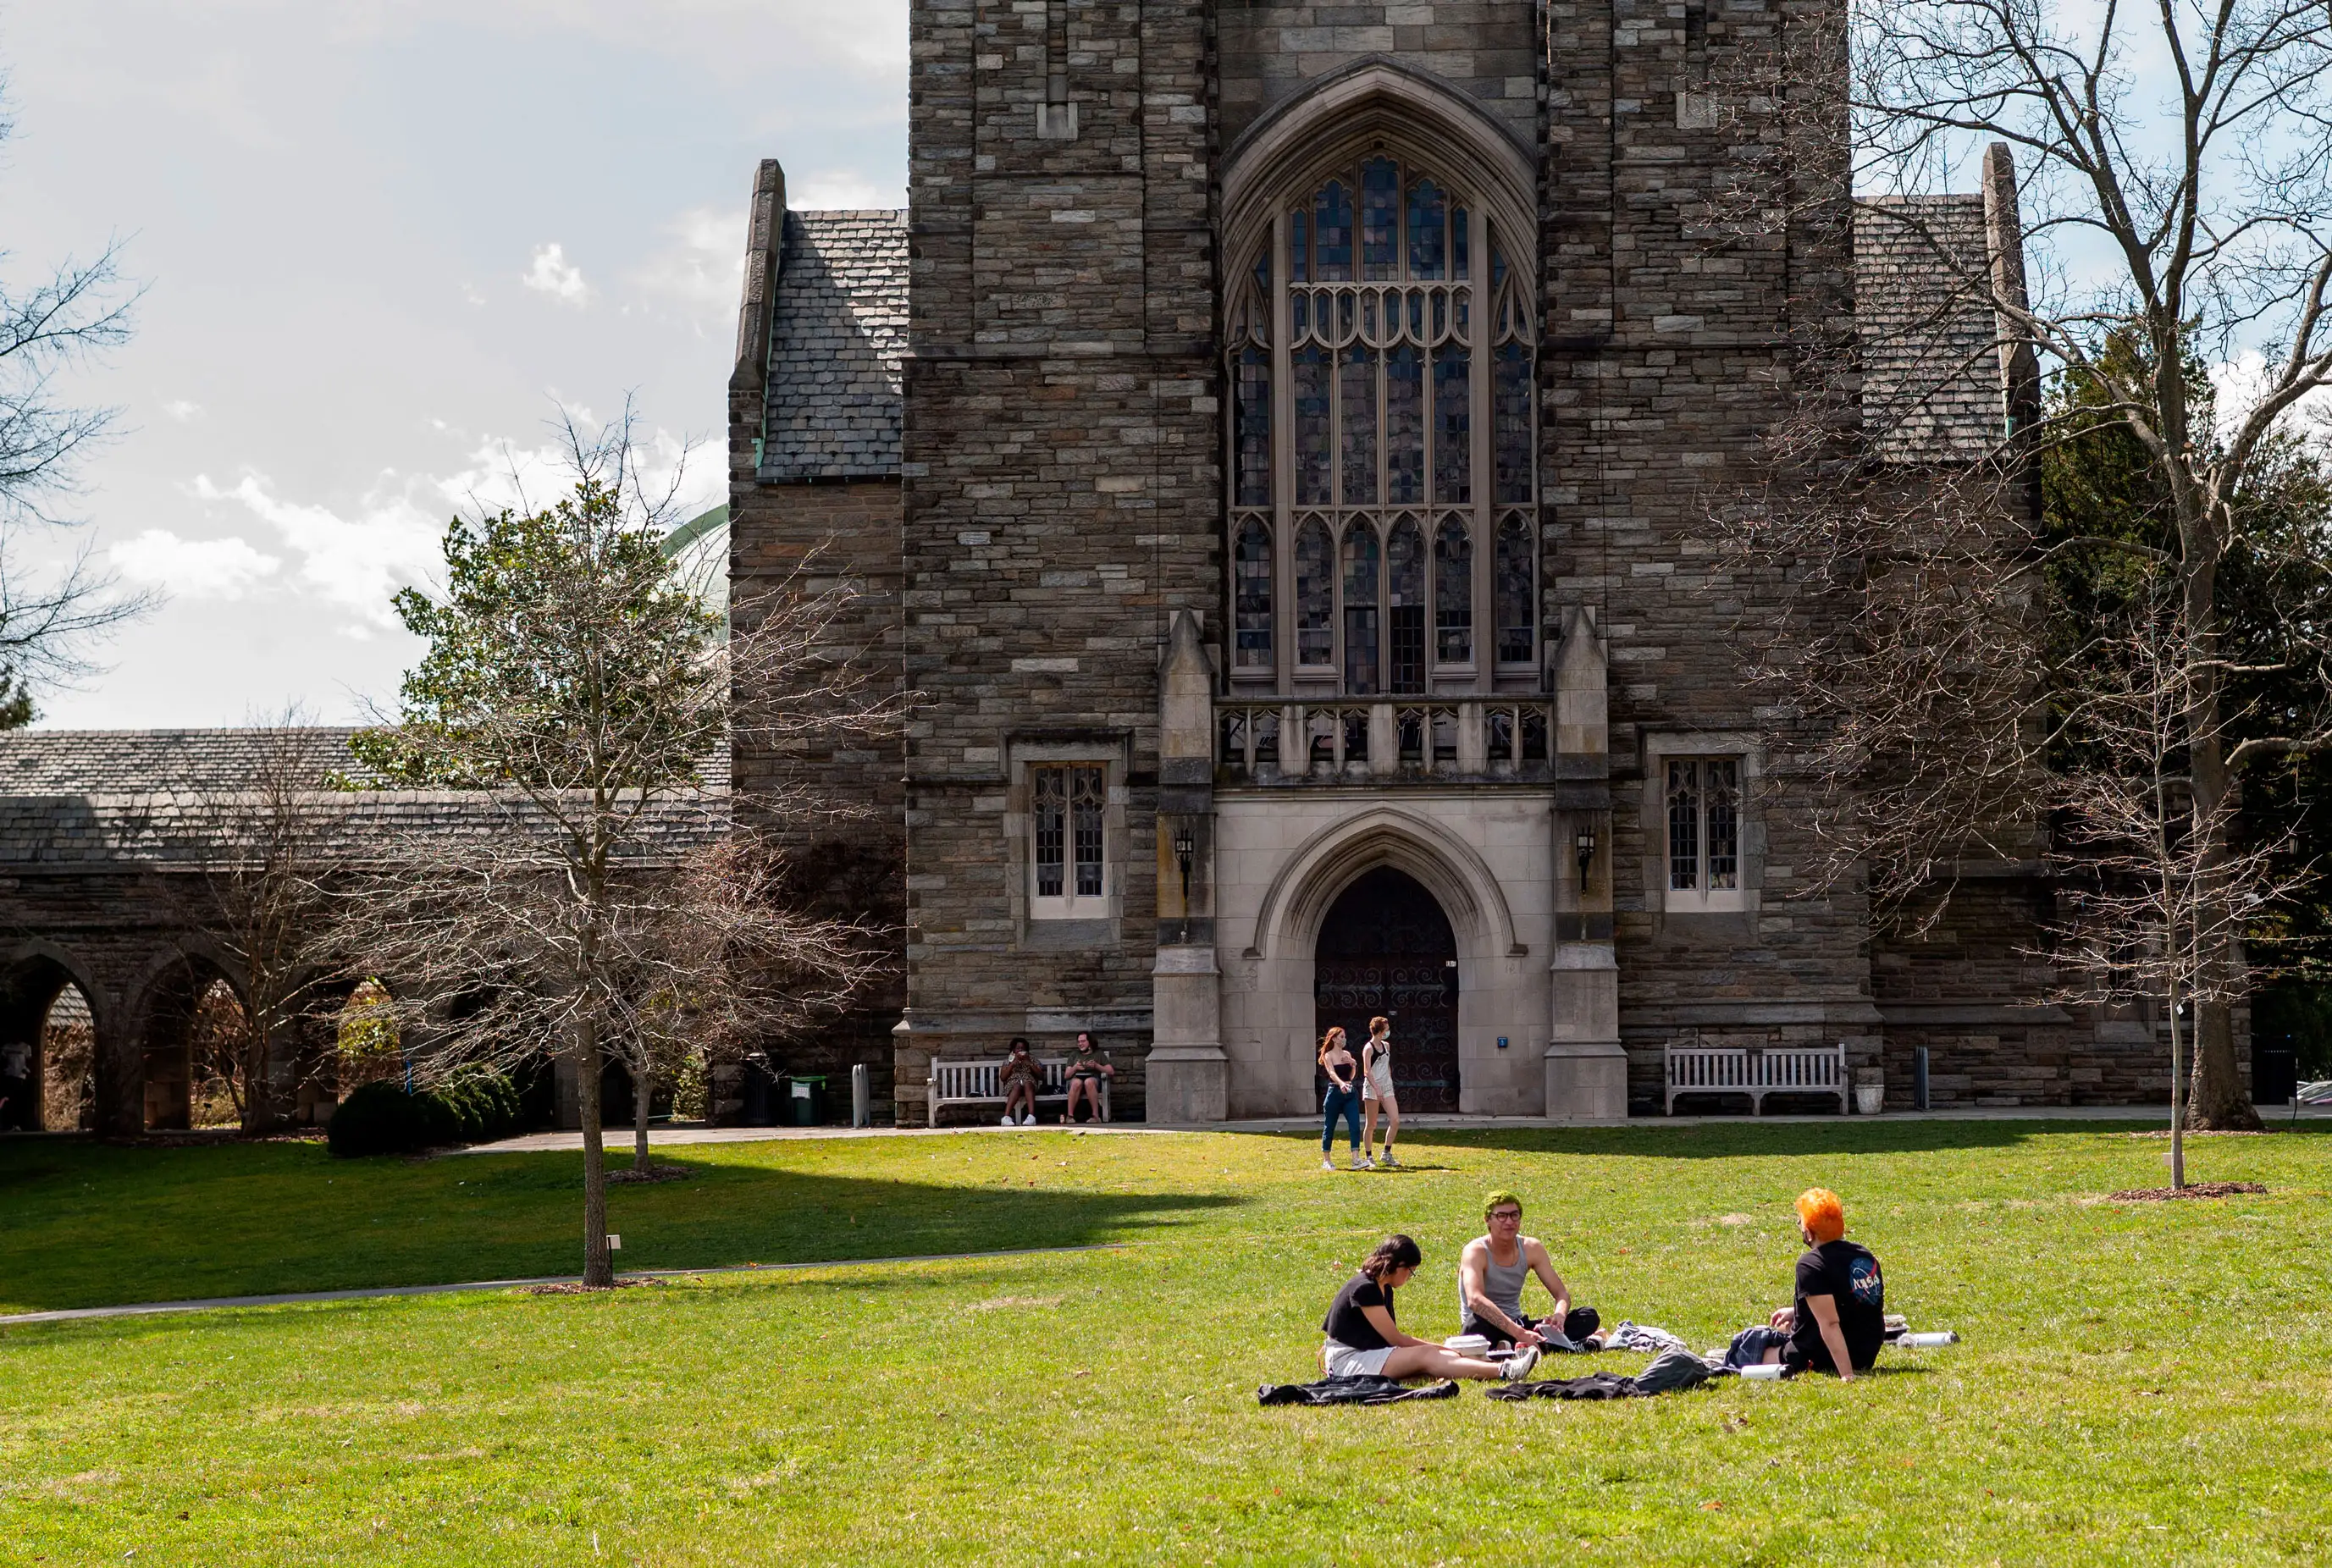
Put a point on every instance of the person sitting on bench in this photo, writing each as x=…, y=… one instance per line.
x=1363, y=1340
x=1838, y=1320
x=1491, y=1273
x=1020, y=1078
x=1086, y=1070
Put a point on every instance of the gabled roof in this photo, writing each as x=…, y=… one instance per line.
x=837, y=334
x=140, y=798
x=1933, y=386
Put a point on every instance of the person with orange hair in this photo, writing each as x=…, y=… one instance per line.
x=1838, y=1320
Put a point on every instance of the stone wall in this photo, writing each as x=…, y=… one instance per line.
x=839, y=537
x=1061, y=476
x=1484, y=48
x=1665, y=344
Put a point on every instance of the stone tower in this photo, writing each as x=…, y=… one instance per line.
x=1286, y=527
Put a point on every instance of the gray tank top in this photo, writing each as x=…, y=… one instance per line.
x=1501, y=1283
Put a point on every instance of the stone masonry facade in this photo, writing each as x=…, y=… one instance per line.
x=1004, y=416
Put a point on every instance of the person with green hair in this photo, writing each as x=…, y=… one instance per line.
x=1491, y=1273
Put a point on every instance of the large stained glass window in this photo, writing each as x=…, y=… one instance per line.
x=1382, y=419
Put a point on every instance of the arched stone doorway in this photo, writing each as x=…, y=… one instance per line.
x=48, y=1050
x=1387, y=947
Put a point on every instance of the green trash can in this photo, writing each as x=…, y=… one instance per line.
x=805, y=1101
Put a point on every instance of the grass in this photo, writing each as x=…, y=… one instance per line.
x=2142, y=1383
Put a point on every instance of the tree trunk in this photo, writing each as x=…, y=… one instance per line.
x=2177, y=1111
x=2216, y=1100
x=599, y=1273
x=258, y=1091
x=641, y=1083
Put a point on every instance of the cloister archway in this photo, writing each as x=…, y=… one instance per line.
x=48, y=1049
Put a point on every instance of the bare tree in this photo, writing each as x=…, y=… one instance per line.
x=2167, y=172
x=272, y=843
x=62, y=322
x=2143, y=872
x=583, y=689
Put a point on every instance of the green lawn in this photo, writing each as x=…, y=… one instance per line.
x=2148, y=1383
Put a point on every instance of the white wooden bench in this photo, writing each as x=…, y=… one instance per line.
x=1756, y=1072
x=980, y=1083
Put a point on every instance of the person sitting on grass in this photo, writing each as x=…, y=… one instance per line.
x=1020, y=1079
x=1839, y=1321
x=1363, y=1340
x=1491, y=1273
x=1087, y=1068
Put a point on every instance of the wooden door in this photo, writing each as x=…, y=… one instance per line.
x=1386, y=949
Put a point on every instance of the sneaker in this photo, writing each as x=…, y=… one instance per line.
x=1326, y=1163
x=1029, y=1119
x=1363, y=1163
x=1518, y=1365
x=1388, y=1162
x=1006, y=1121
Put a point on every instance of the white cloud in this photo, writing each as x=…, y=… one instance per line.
x=182, y=410
x=2240, y=382
x=353, y=558
x=703, y=267
x=196, y=568
x=553, y=274
x=352, y=562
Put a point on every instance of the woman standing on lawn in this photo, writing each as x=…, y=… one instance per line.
x=1363, y=1340
x=1376, y=1089
x=1340, y=1100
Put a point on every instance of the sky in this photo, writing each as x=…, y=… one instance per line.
x=384, y=244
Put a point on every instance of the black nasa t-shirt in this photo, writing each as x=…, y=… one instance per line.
x=1347, y=1325
x=1850, y=1277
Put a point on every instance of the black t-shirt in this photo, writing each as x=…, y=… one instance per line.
x=1347, y=1325
x=1850, y=1277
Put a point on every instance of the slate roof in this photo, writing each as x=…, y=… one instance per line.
x=129, y=798
x=837, y=334
x=138, y=761
x=1932, y=386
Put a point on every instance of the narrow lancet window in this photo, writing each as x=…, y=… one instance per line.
x=1360, y=665
x=1453, y=593
x=1251, y=597
x=1315, y=590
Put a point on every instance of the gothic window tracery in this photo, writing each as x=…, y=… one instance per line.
x=1382, y=473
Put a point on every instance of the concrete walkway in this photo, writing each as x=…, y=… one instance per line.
x=219, y=1303
x=619, y=1145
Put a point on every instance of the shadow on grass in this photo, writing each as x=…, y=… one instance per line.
x=1704, y=1140
x=121, y=1226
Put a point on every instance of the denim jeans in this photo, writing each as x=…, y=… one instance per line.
x=1344, y=1102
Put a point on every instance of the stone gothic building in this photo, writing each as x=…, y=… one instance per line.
x=1270, y=449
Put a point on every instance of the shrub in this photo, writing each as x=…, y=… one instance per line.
x=383, y=1119
x=377, y=1119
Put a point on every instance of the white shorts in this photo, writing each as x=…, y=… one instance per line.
x=1373, y=1090
x=1342, y=1361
